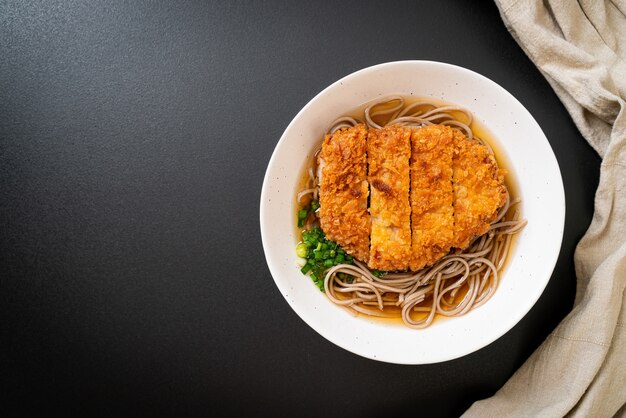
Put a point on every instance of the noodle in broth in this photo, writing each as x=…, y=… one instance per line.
x=452, y=286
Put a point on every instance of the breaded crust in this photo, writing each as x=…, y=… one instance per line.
x=432, y=212
x=389, y=151
x=431, y=190
x=479, y=189
x=344, y=190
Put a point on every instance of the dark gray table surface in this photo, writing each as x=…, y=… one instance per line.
x=134, y=137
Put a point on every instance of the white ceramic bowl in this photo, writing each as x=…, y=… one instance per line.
x=533, y=258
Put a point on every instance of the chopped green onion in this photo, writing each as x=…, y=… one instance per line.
x=301, y=250
x=302, y=213
x=320, y=255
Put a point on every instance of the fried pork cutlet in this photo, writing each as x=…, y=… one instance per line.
x=432, y=212
x=479, y=189
x=431, y=190
x=389, y=151
x=344, y=190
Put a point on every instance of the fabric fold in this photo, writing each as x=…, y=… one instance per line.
x=580, y=370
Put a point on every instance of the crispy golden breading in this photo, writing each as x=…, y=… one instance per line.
x=389, y=151
x=344, y=190
x=432, y=213
x=431, y=190
x=479, y=190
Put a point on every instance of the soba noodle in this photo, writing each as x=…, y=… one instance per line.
x=454, y=285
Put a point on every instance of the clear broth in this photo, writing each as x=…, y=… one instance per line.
x=479, y=130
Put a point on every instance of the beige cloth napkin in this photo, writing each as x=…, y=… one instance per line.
x=580, y=370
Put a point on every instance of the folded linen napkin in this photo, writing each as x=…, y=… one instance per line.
x=580, y=370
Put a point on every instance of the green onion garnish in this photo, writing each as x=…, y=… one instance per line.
x=320, y=254
x=301, y=250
